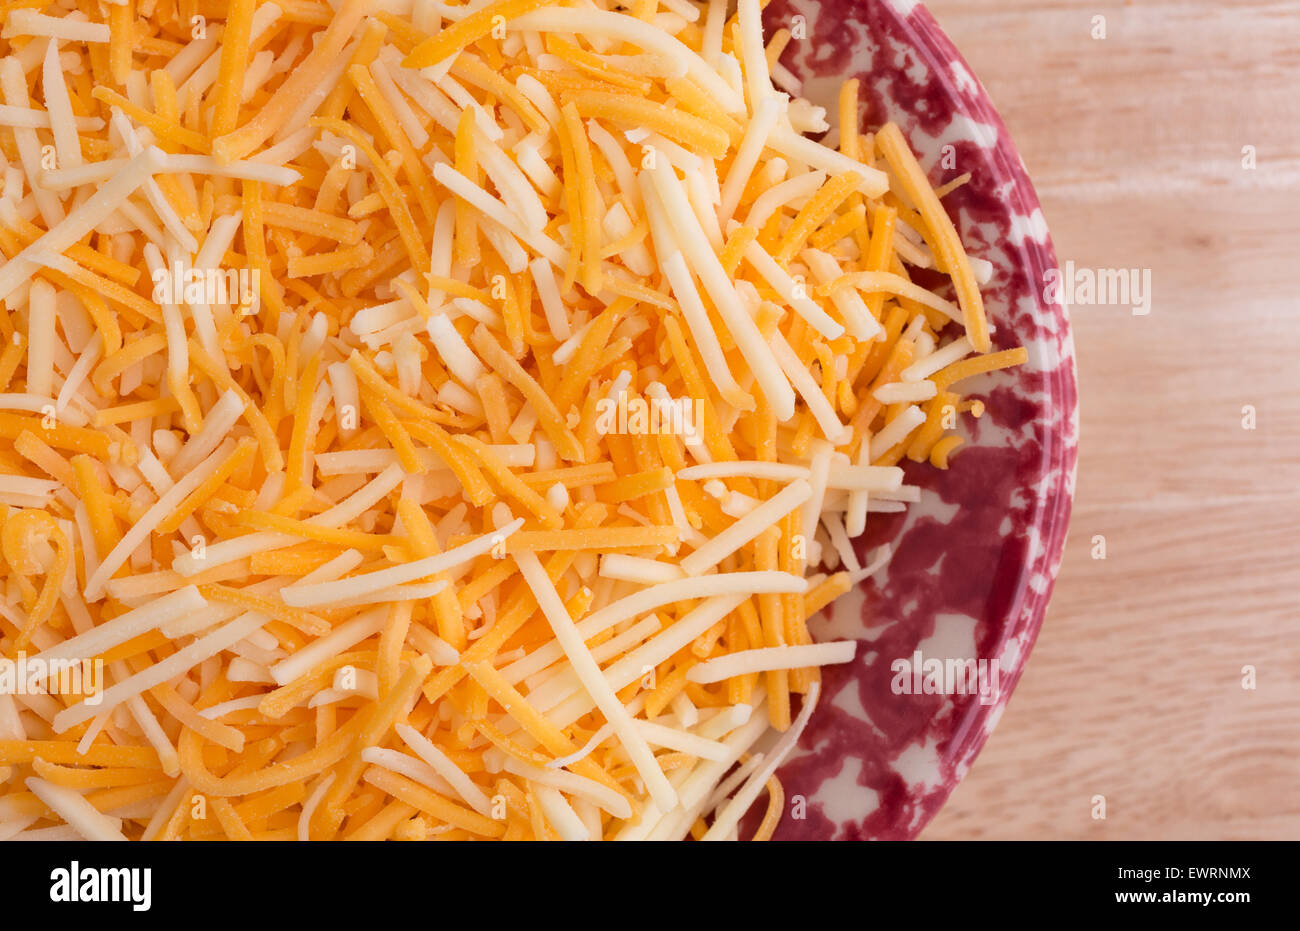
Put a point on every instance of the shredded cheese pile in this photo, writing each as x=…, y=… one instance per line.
x=440, y=421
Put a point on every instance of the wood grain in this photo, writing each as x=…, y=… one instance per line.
x=1134, y=691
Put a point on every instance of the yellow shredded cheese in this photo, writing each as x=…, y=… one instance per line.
x=439, y=420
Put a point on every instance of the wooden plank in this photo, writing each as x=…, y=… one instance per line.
x=1134, y=689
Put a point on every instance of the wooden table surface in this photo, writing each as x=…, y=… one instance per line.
x=1135, y=690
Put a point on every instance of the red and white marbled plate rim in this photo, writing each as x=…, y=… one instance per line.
x=975, y=562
